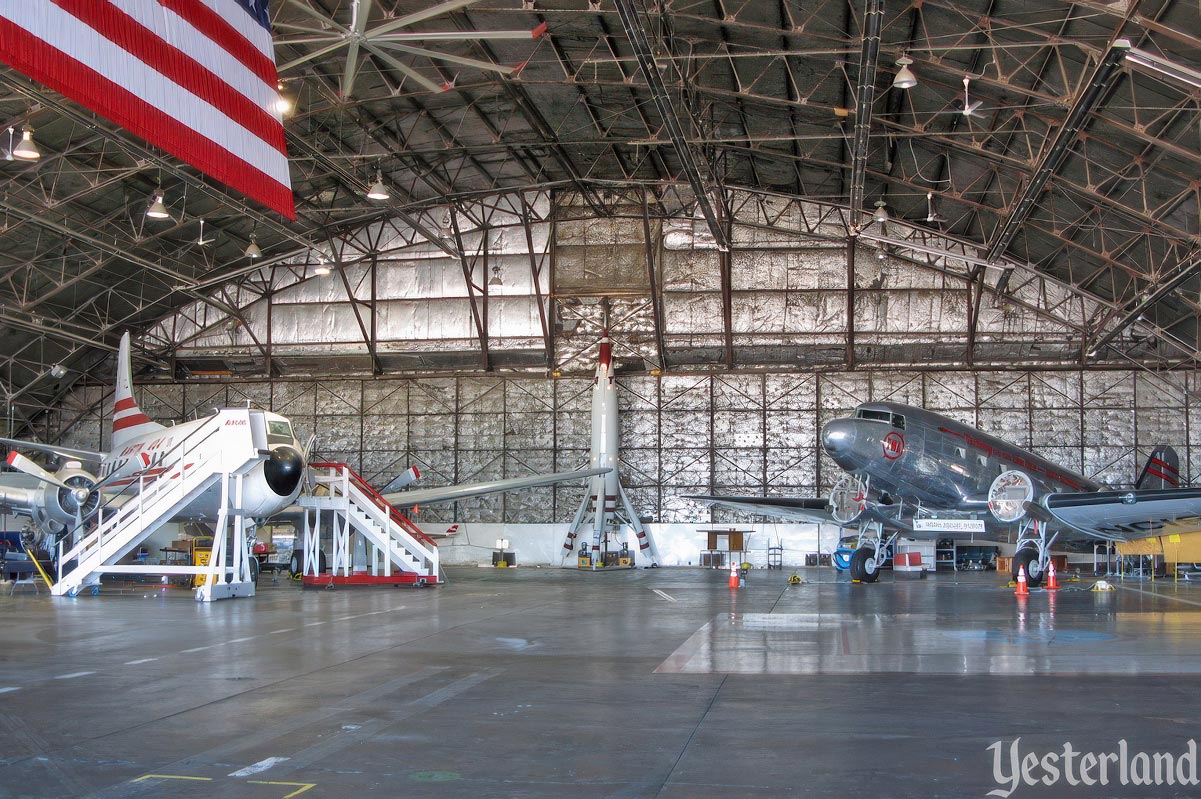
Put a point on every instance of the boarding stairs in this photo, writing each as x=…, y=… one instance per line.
x=395, y=552
x=203, y=461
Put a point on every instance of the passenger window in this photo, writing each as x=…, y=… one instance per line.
x=961, y=453
x=898, y=422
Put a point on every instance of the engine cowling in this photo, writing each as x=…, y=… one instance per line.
x=55, y=508
x=848, y=499
x=1008, y=495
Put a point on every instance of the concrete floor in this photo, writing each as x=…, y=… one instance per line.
x=547, y=683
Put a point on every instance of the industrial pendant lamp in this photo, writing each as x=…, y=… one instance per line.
x=905, y=79
x=253, y=250
x=881, y=214
x=378, y=190
x=157, y=210
x=27, y=148
x=322, y=269
x=496, y=279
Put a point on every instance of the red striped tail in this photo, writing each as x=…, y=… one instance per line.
x=128, y=420
x=1162, y=469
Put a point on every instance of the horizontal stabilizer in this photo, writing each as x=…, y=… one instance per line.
x=432, y=496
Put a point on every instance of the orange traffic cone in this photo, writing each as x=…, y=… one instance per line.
x=1052, y=583
x=733, y=575
x=1021, y=590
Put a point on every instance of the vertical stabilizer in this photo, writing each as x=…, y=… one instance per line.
x=128, y=420
x=1162, y=469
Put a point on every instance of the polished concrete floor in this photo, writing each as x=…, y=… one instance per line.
x=548, y=683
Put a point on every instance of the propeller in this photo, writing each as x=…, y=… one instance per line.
x=308, y=469
x=22, y=464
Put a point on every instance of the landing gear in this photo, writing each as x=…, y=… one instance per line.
x=1033, y=551
x=870, y=553
x=864, y=567
x=1027, y=558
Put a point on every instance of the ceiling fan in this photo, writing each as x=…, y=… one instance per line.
x=969, y=108
x=201, y=241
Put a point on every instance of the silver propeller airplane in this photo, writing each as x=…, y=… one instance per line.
x=910, y=469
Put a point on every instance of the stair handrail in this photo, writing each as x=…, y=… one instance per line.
x=378, y=500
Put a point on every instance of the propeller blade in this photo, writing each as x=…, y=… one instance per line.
x=25, y=465
x=308, y=447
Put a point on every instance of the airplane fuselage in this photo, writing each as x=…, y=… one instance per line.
x=918, y=455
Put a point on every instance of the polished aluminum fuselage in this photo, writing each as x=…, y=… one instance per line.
x=917, y=455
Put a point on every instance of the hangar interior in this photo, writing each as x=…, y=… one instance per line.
x=757, y=216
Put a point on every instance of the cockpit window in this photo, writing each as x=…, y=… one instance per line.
x=894, y=419
x=279, y=429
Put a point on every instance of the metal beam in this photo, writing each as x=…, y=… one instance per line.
x=675, y=128
x=1056, y=152
x=866, y=96
x=1156, y=294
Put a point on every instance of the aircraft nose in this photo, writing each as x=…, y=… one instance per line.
x=838, y=437
x=283, y=470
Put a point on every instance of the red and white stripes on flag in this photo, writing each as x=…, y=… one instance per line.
x=194, y=77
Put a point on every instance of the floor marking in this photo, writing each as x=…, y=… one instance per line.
x=303, y=786
x=136, y=662
x=668, y=597
x=73, y=675
x=284, y=630
x=256, y=768
x=1161, y=596
x=240, y=640
x=9, y=689
x=172, y=777
x=196, y=649
x=314, y=624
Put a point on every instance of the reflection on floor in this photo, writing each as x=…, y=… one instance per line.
x=553, y=683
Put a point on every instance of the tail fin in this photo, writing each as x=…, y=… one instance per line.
x=1162, y=469
x=128, y=420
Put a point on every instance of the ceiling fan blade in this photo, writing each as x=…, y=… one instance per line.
x=26, y=466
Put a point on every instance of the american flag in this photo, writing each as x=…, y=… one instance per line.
x=194, y=77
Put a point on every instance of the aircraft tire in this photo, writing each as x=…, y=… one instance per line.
x=859, y=571
x=296, y=568
x=1022, y=559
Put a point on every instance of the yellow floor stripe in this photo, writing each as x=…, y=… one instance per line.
x=172, y=777
x=301, y=786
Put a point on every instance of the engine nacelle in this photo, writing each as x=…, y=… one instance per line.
x=53, y=508
x=1008, y=495
x=848, y=499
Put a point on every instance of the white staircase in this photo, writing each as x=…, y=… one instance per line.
x=204, y=461
x=396, y=551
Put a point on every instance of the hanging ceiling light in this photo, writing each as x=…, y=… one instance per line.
x=322, y=269
x=881, y=214
x=27, y=148
x=496, y=280
x=905, y=79
x=253, y=250
x=378, y=190
x=282, y=104
x=58, y=371
x=157, y=210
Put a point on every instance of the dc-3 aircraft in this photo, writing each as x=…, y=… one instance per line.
x=917, y=473
x=142, y=450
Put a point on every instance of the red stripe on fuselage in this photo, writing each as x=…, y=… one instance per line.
x=1016, y=460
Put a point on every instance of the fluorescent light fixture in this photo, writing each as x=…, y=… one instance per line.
x=27, y=148
x=935, y=251
x=253, y=250
x=157, y=210
x=378, y=190
x=905, y=79
x=1150, y=62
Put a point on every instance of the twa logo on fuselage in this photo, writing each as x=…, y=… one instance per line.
x=894, y=446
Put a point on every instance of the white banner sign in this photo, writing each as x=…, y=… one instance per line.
x=948, y=525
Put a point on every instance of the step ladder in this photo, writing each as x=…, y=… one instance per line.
x=204, y=461
x=371, y=541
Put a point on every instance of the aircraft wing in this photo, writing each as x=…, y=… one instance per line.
x=802, y=509
x=66, y=452
x=433, y=496
x=1124, y=515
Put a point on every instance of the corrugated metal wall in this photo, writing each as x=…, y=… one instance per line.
x=732, y=433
